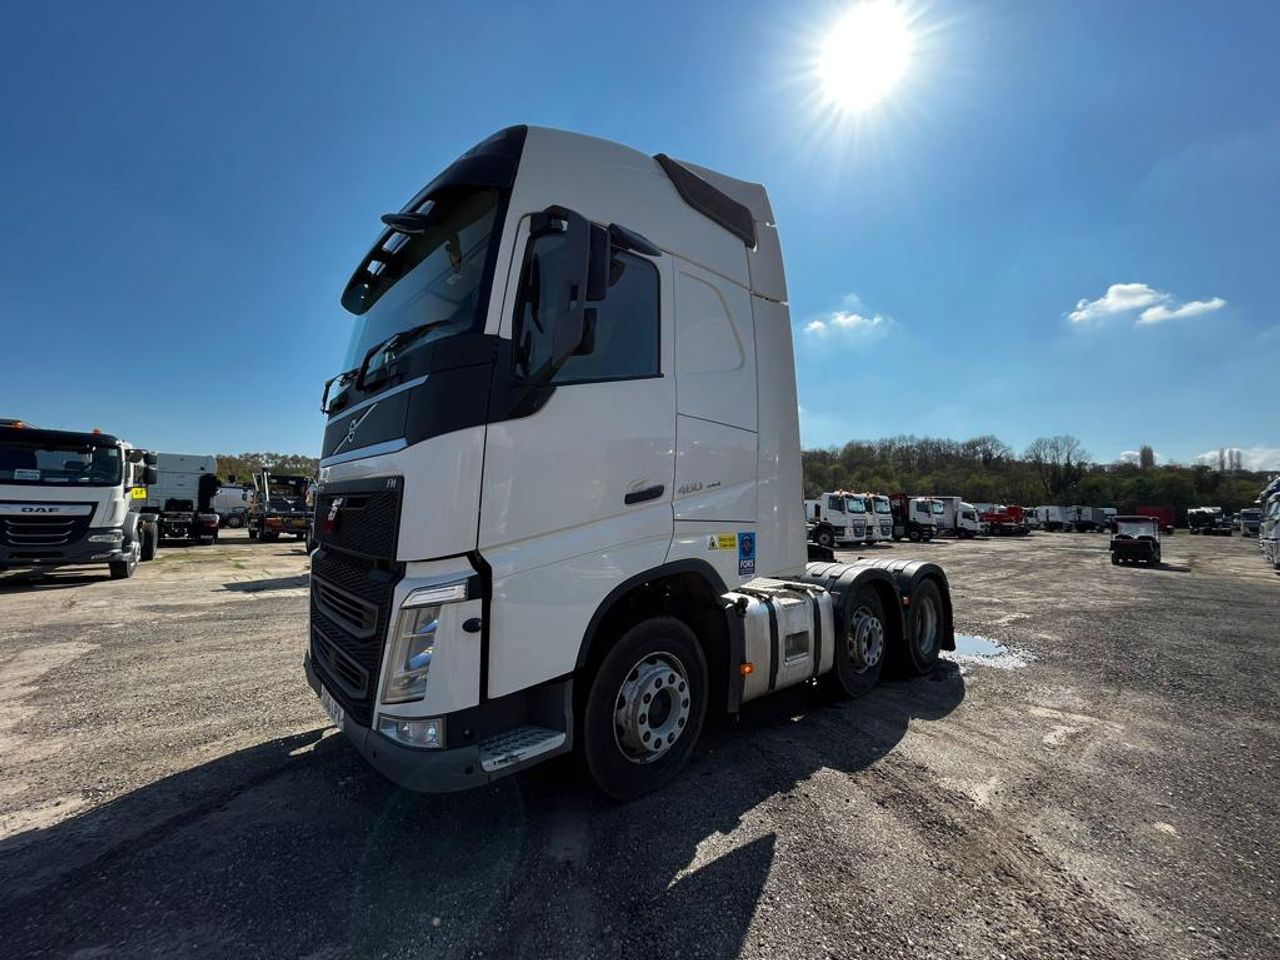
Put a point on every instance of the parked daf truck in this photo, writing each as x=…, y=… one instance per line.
x=912, y=517
x=560, y=493
x=881, y=525
x=71, y=499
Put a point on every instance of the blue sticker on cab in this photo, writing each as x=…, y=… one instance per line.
x=746, y=554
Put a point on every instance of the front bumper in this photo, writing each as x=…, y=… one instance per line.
x=450, y=769
x=78, y=553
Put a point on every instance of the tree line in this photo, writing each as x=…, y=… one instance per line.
x=240, y=467
x=1052, y=470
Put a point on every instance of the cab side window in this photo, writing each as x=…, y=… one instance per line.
x=623, y=341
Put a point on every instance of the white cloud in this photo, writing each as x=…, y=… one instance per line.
x=1129, y=456
x=1119, y=298
x=849, y=325
x=1192, y=308
x=1271, y=333
x=1251, y=458
x=1125, y=298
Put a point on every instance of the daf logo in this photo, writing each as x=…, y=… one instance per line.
x=41, y=510
x=353, y=427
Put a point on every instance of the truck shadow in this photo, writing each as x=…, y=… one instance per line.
x=296, y=582
x=295, y=848
x=20, y=582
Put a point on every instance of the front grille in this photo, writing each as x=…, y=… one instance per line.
x=351, y=600
x=33, y=532
x=367, y=523
x=357, y=616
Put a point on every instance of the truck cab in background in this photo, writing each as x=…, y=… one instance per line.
x=182, y=497
x=70, y=499
x=281, y=503
x=560, y=494
x=1269, y=526
x=912, y=518
x=1209, y=521
x=956, y=518
x=838, y=518
x=880, y=520
x=231, y=504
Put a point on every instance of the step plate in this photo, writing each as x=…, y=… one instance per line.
x=517, y=745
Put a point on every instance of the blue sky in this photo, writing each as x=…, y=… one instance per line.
x=185, y=190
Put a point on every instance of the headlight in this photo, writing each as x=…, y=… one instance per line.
x=115, y=536
x=414, y=643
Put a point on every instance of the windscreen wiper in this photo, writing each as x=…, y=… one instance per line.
x=393, y=342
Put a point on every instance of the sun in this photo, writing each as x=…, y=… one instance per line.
x=864, y=55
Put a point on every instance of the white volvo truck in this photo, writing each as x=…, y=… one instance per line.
x=560, y=492
x=71, y=499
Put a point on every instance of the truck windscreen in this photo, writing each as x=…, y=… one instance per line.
x=71, y=464
x=435, y=281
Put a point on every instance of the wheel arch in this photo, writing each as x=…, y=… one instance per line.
x=690, y=591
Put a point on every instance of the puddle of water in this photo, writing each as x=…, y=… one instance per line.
x=979, y=651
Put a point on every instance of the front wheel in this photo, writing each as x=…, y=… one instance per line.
x=914, y=536
x=825, y=539
x=645, y=709
x=124, y=569
x=1115, y=560
x=234, y=522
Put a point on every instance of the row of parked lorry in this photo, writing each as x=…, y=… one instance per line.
x=69, y=498
x=1268, y=522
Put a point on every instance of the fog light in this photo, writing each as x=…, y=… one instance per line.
x=427, y=733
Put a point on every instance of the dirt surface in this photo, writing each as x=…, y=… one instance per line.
x=168, y=786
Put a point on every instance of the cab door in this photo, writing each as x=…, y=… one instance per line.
x=576, y=495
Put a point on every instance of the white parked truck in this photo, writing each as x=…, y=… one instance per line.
x=231, y=504
x=71, y=499
x=956, y=518
x=1047, y=518
x=181, y=499
x=838, y=517
x=560, y=494
x=881, y=526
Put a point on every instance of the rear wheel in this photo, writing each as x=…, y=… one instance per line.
x=253, y=532
x=861, y=650
x=1115, y=560
x=924, y=628
x=645, y=708
x=234, y=522
x=825, y=539
x=914, y=536
x=150, y=541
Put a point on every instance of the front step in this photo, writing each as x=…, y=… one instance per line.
x=518, y=745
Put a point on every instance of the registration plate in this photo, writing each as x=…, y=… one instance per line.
x=332, y=707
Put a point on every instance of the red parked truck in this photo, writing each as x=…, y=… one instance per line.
x=1004, y=521
x=1162, y=515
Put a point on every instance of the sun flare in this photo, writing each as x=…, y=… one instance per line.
x=865, y=54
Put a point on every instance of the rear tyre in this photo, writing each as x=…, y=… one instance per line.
x=1115, y=560
x=924, y=628
x=253, y=533
x=862, y=645
x=825, y=539
x=150, y=541
x=645, y=709
x=914, y=536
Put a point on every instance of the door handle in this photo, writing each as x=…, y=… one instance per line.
x=648, y=493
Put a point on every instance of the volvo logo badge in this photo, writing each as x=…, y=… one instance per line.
x=353, y=427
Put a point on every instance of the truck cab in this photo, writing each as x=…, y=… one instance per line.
x=280, y=504
x=838, y=518
x=559, y=503
x=880, y=525
x=913, y=518
x=70, y=499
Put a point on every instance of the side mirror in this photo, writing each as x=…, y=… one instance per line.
x=583, y=277
x=150, y=474
x=150, y=460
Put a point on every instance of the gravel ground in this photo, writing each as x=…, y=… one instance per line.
x=168, y=787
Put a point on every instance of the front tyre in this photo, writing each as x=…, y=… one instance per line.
x=645, y=709
x=150, y=535
x=124, y=569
